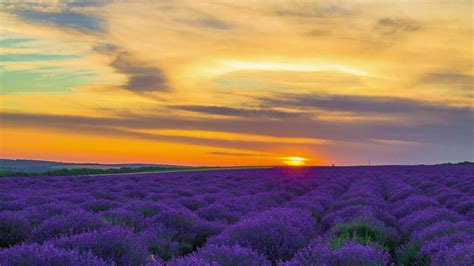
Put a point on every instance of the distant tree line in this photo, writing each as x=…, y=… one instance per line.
x=460, y=163
x=88, y=171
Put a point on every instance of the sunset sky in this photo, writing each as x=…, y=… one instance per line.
x=237, y=82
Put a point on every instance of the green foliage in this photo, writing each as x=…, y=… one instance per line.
x=166, y=251
x=410, y=255
x=316, y=215
x=89, y=171
x=362, y=233
x=186, y=247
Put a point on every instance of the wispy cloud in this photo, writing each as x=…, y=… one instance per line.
x=14, y=42
x=72, y=20
x=392, y=26
x=207, y=22
x=356, y=103
x=239, y=154
x=312, y=10
x=51, y=6
x=448, y=78
x=35, y=57
x=397, y=142
x=239, y=112
x=130, y=127
x=141, y=78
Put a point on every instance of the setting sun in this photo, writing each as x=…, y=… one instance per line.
x=294, y=161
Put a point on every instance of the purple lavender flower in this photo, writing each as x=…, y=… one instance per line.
x=273, y=238
x=146, y=208
x=298, y=218
x=40, y=255
x=431, y=248
x=160, y=241
x=356, y=254
x=465, y=206
x=63, y=225
x=14, y=228
x=426, y=217
x=400, y=193
x=438, y=229
x=99, y=205
x=193, y=203
x=231, y=256
x=218, y=212
x=357, y=211
x=317, y=253
x=37, y=214
x=189, y=230
x=462, y=255
x=122, y=217
x=191, y=261
x=412, y=204
x=115, y=244
x=14, y=205
x=315, y=207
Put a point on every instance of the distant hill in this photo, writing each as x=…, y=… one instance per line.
x=38, y=166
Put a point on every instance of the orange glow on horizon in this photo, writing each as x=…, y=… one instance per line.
x=92, y=148
x=294, y=161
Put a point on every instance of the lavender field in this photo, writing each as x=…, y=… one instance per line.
x=401, y=215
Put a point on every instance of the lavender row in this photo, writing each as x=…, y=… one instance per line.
x=431, y=233
x=452, y=198
x=354, y=231
x=169, y=216
x=280, y=232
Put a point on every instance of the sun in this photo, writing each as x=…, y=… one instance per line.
x=294, y=161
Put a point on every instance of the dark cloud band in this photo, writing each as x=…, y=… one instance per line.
x=239, y=112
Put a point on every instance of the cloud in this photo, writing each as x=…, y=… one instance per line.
x=141, y=78
x=43, y=80
x=51, y=6
x=454, y=126
x=312, y=10
x=355, y=141
x=124, y=127
x=73, y=20
x=61, y=13
x=35, y=57
x=318, y=33
x=448, y=78
x=207, y=22
x=14, y=42
x=397, y=142
x=393, y=26
x=239, y=112
x=187, y=14
x=358, y=104
x=87, y=3
x=239, y=154
x=105, y=48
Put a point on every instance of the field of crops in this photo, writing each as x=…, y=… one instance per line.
x=407, y=215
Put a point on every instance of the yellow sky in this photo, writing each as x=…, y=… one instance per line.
x=237, y=82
